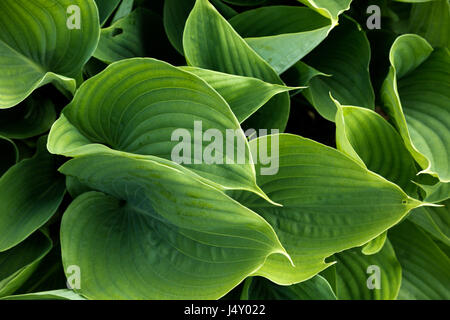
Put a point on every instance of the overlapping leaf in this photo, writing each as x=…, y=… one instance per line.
x=138, y=113
x=368, y=277
x=30, y=193
x=245, y=95
x=282, y=35
x=416, y=94
x=330, y=203
x=172, y=236
x=368, y=138
x=211, y=43
x=37, y=46
x=18, y=263
x=345, y=56
x=425, y=268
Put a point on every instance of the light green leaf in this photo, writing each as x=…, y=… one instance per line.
x=30, y=193
x=245, y=95
x=176, y=13
x=63, y=294
x=345, y=56
x=18, y=263
x=416, y=94
x=316, y=288
x=151, y=232
x=368, y=138
x=329, y=8
x=37, y=47
x=425, y=268
x=30, y=118
x=368, y=277
x=151, y=96
x=330, y=204
x=282, y=35
x=375, y=245
x=211, y=43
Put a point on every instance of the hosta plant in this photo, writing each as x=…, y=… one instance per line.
x=224, y=149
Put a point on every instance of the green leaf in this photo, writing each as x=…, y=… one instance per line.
x=435, y=220
x=151, y=232
x=436, y=193
x=431, y=20
x=416, y=94
x=37, y=47
x=106, y=8
x=176, y=13
x=62, y=294
x=126, y=38
x=316, y=288
x=425, y=268
x=245, y=95
x=10, y=154
x=375, y=245
x=345, y=56
x=30, y=193
x=211, y=43
x=357, y=275
x=18, y=263
x=330, y=203
x=368, y=138
x=119, y=112
x=300, y=74
x=282, y=35
x=32, y=117
x=124, y=9
x=329, y=8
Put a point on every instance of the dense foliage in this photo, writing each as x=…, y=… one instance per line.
x=321, y=170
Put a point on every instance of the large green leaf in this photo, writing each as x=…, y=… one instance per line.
x=345, y=56
x=431, y=20
x=37, y=46
x=245, y=95
x=354, y=271
x=151, y=232
x=330, y=203
x=32, y=117
x=62, y=294
x=316, y=288
x=18, y=263
x=211, y=43
x=30, y=193
x=282, y=35
x=9, y=152
x=425, y=268
x=135, y=105
x=416, y=94
x=368, y=138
